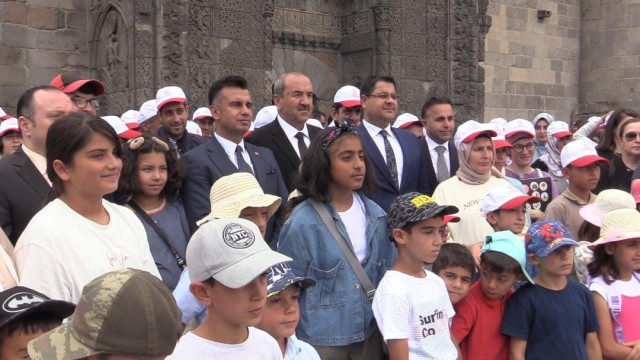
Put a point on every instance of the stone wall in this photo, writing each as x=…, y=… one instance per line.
x=610, y=55
x=532, y=65
x=38, y=39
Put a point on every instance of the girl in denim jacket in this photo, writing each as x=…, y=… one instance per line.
x=335, y=316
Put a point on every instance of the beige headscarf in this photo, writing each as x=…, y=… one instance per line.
x=464, y=173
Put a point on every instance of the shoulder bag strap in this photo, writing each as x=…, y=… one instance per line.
x=181, y=262
x=366, y=284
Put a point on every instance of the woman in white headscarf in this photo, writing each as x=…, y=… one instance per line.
x=558, y=135
x=540, y=123
x=474, y=178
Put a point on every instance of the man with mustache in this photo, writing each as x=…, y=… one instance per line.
x=289, y=137
x=173, y=112
x=395, y=153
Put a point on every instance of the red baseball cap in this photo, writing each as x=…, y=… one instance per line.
x=71, y=81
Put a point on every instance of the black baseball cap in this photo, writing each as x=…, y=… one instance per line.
x=21, y=301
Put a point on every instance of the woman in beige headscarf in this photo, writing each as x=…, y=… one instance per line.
x=473, y=180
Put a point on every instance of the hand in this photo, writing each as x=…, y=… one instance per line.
x=475, y=252
x=536, y=215
x=635, y=350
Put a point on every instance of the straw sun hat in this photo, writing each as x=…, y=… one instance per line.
x=233, y=193
x=608, y=200
x=618, y=225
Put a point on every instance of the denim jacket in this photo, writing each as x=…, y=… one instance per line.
x=336, y=311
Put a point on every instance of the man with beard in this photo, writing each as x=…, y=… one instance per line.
x=173, y=112
x=442, y=156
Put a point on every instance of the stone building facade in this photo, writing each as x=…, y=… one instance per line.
x=430, y=46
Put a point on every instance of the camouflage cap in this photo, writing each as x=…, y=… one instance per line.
x=125, y=312
x=413, y=207
x=281, y=276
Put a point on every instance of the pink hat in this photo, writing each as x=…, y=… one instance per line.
x=348, y=96
x=147, y=111
x=265, y=116
x=4, y=115
x=580, y=154
x=505, y=197
x=10, y=124
x=618, y=225
x=405, y=120
x=170, y=94
x=120, y=128
x=519, y=126
x=130, y=118
x=559, y=129
x=202, y=113
x=470, y=130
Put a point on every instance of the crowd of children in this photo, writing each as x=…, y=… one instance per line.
x=518, y=254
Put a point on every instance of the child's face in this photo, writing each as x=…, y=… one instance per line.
x=152, y=173
x=94, y=169
x=258, y=216
x=458, y=281
x=626, y=254
x=583, y=178
x=424, y=240
x=513, y=220
x=558, y=263
x=239, y=307
x=14, y=347
x=501, y=158
x=347, y=167
x=496, y=285
x=281, y=314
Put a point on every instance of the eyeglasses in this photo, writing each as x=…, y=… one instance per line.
x=631, y=135
x=520, y=147
x=81, y=103
x=385, y=96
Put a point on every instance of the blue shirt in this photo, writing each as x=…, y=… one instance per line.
x=299, y=350
x=555, y=323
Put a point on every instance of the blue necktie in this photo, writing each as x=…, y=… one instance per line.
x=242, y=165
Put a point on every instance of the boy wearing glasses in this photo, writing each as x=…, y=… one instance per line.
x=521, y=135
x=580, y=166
x=81, y=90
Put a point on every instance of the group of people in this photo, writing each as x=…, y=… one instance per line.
x=368, y=236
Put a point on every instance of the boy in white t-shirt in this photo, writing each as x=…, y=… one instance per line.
x=411, y=304
x=228, y=265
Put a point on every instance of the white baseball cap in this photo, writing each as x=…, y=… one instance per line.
x=518, y=126
x=348, y=96
x=147, y=111
x=470, y=130
x=10, y=124
x=4, y=115
x=170, y=94
x=230, y=251
x=120, y=128
x=201, y=113
x=505, y=197
x=607, y=200
x=580, y=154
x=130, y=118
x=193, y=128
x=405, y=120
x=499, y=121
x=265, y=116
x=559, y=129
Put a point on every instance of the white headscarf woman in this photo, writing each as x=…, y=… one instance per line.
x=558, y=135
x=541, y=133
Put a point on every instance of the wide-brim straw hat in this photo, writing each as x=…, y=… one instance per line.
x=618, y=225
x=233, y=193
x=608, y=200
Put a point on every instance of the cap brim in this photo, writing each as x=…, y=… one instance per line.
x=450, y=218
x=244, y=271
x=473, y=136
x=178, y=100
x=62, y=308
x=562, y=134
x=298, y=281
x=588, y=160
x=130, y=134
x=59, y=344
x=406, y=125
x=203, y=117
x=350, y=103
x=500, y=144
x=7, y=130
x=133, y=125
x=74, y=86
x=591, y=214
x=517, y=135
x=603, y=240
x=519, y=200
x=558, y=244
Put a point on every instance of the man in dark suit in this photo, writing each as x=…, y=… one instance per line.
x=289, y=136
x=438, y=146
x=395, y=153
x=24, y=184
x=227, y=153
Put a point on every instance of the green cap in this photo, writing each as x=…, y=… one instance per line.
x=125, y=312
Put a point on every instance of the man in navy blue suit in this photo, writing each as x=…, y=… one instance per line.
x=227, y=153
x=396, y=154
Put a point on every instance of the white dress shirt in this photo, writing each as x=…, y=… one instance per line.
x=374, y=132
x=434, y=153
x=230, y=148
x=291, y=133
x=39, y=161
